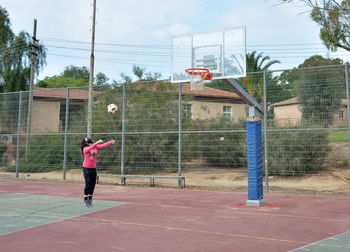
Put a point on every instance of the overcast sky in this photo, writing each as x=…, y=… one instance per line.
x=284, y=32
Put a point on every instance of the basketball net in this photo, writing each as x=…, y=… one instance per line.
x=196, y=82
x=197, y=76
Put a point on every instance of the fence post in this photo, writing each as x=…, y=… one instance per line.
x=66, y=121
x=348, y=99
x=123, y=135
x=18, y=133
x=180, y=133
x=266, y=157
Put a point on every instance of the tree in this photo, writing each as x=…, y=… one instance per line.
x=258, y=62
x=286, y=80
x=73, y=76
x=140, y=72
x=101, y=79
x=320, y=89
x=15, y=57
x=76, y=72
x=218, y=84
x=334, y=19
x=61, y=82
x=253, y=82
x=289, y=77
x=6, y=32
x=150, y=76
x=125, y=78
x=318, y=60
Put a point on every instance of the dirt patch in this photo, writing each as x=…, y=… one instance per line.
x=339, y=156
x=335, y=182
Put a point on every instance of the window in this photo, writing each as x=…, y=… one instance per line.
x=341, y=114
x=6, y=138
x=187, y=111
x=228, y=112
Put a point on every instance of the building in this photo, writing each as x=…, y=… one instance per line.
x=48, y=111
x=289, y=112
x=211, y=103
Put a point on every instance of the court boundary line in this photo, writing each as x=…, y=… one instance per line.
x=324, y=244
x=250, y=211
x=170, y=228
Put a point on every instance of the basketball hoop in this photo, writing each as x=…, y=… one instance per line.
x=197, y=76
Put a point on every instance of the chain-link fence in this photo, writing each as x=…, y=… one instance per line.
x=165, y=129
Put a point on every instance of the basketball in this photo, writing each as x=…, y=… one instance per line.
x=112, y=109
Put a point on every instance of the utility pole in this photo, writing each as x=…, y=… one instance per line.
x=91, y=77
x=34, y=55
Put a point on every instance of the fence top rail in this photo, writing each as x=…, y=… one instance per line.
x=182, y=132
x=143, y=132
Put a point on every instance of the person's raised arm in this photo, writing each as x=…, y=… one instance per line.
x=92, y=146
x=101, y=146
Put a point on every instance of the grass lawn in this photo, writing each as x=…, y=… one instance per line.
x=338, y=136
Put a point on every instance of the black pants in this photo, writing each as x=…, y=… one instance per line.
x=90, y=176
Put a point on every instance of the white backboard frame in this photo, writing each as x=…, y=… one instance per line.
x=222, y=52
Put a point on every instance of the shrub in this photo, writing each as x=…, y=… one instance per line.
x=297, y=152
x=219, y=149
x=3, y=149
x=46, y=154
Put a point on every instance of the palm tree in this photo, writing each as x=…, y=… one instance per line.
x=256, y=64
x=253, y=82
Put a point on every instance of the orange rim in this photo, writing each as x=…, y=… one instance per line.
x=203, y=72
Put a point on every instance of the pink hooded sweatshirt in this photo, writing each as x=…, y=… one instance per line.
x=90, y=154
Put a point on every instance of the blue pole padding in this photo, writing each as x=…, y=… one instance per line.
x=254, y=155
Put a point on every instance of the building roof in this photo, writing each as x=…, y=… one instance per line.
x=294, y=100
x=61, y=93
x=290, y=101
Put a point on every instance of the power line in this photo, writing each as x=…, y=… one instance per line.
x=300, y=52
x=114, y=61
x=293, y=53
x=168, y=46
x=107, y=44
x=158, y=55
x=298, y=48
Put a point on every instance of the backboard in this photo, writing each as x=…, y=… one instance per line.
x=222, y=52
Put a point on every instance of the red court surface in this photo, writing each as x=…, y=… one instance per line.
x=158, y=219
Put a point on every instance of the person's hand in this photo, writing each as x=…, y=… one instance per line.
x=113, y=141
x=100, y=141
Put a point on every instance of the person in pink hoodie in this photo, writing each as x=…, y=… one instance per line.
x=90, y=151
